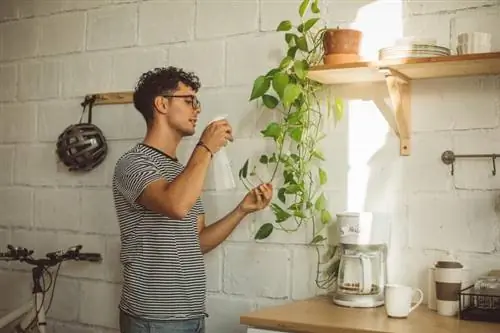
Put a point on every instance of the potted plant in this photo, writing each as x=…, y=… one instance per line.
x=297, y=157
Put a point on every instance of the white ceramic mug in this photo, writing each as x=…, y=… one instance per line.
x=473, y=42
x=398, y=300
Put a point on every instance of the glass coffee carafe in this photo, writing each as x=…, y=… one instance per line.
x=362, y=275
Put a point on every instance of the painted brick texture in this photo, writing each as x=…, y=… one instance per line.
x=54, y=52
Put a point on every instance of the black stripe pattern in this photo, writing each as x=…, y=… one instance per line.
x=163, y=267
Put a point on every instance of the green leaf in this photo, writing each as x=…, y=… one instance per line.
x=281, y=195
x=286, y=62
x=270, y=101
x=322, y=176
x=299, y=214
x=244, y=170
x=289, y=38
x=300, y=67
x=320, y=202
x=339, y=108
x=302, y=43
x=305, y=27
x=292, y=52
x=271, y=73
x=325, y=216
x=273, y=130
x=292, y=189
x=280, y=80
x=288, y=177
x=284, y=26
x=260, y=86
x=310, y=23
x=264, y=231
x=296, y=134
x=314, y=7
x=263, y=159
x=294, y=118
x=319, y=155
x=317, y=239
x=292, y=91
x=280, y=214
x=303, y=7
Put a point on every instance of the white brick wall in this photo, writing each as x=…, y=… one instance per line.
x=54, y=52
x=54, y=40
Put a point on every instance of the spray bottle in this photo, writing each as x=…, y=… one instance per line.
x=220, y=176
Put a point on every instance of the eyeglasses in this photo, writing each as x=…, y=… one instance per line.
x=195, y=103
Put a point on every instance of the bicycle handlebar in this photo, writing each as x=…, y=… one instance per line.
x=52, y=258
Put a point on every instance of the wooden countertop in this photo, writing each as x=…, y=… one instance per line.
x=320, y=315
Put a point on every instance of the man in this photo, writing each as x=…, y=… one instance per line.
x=160, y=213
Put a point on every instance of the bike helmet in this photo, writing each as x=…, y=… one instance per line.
x=82, y=146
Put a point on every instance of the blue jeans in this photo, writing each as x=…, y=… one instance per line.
x=129, y=324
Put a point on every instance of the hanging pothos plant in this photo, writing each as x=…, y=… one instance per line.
x=297, y=135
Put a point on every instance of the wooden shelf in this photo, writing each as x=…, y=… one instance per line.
x=399, y=73
x=415, y=68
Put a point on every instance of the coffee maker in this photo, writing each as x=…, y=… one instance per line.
x=362, y=273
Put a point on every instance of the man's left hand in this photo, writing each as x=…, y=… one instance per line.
x=257, y=199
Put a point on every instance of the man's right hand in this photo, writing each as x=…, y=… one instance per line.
x=216, y=135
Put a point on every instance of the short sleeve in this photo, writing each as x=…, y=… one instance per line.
x=133, y=174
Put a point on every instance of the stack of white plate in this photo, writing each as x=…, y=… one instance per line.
x=413, y=48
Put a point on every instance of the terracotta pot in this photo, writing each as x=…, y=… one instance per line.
x=342, y=41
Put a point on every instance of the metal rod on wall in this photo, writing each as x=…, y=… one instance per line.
x=448, y=157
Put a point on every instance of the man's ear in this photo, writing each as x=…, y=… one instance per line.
x=160, y=104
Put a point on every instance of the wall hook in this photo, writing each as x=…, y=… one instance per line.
x=448, y=157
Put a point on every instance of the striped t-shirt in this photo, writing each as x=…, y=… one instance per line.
x=163, y=268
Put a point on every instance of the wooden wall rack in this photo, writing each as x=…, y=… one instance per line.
x=398, y=75
x=124, y=97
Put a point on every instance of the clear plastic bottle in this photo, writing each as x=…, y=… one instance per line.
x=220, y=175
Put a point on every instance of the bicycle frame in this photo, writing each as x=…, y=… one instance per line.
x=29, y=312
x=33, y=310
x=32, y=314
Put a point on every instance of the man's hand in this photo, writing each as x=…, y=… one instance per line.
x=216, y=233
x=257, y=199
x=216, y=135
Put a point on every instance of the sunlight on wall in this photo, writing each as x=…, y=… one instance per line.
x=367, y=131
x=381, y=23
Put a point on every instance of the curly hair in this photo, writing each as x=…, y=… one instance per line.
x=160, y=81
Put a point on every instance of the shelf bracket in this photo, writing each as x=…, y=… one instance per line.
x=399, y=118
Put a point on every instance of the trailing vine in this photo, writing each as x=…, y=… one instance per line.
x=297, y=157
